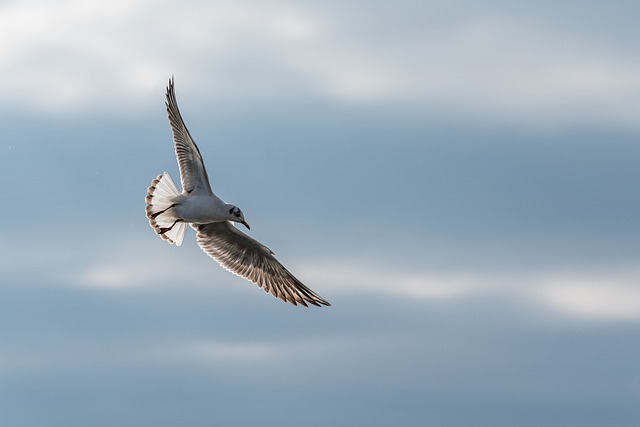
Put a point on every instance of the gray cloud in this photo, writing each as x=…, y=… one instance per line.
x=490, y=64
x=161, y=357
x=456, y=178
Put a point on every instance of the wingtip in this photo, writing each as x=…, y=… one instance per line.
x=170, y=91
x=321, y=302
x=318, y=302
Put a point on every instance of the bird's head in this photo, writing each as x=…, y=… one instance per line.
x=236, y=215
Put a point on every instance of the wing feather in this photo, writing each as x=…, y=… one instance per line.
x=193, y=174
x=248, y=258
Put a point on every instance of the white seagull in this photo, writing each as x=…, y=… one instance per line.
x=169, y=212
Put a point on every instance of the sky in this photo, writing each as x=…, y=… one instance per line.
x=459, y=179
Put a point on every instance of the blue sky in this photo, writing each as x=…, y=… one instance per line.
x=458, y=179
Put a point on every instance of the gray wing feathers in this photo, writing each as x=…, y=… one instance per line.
x=193, y=174
x=246, y=257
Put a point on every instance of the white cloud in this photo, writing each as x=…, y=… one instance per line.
x=340, y=277
x=146, y=266
x=603, y=298
x=589, y=298
x=107, y=262
x=578, y=295
x=107, y=277
x=256, y=353
x=71, y=55
x=122, y=264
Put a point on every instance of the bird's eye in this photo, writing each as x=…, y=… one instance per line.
x=237, y=214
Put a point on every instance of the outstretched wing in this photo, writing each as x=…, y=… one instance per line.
x=246, y=257
x=193, y=174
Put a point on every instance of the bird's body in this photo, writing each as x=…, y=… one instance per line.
x=169, y=211
x=201, y=209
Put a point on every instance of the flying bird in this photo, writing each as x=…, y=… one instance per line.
x=169, y=211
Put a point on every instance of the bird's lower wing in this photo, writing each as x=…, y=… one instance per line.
x=248, y=258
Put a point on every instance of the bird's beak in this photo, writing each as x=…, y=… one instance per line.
x=246, y=225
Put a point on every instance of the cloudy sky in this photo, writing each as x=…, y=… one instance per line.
x=459, y=179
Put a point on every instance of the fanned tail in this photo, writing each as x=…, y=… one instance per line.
x=160, y=197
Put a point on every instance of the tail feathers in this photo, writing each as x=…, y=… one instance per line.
x=159, y=200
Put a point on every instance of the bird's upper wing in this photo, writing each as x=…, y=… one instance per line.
x=193, y=174
x=246, y=257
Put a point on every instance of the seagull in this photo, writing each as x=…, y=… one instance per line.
x=169, y=211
